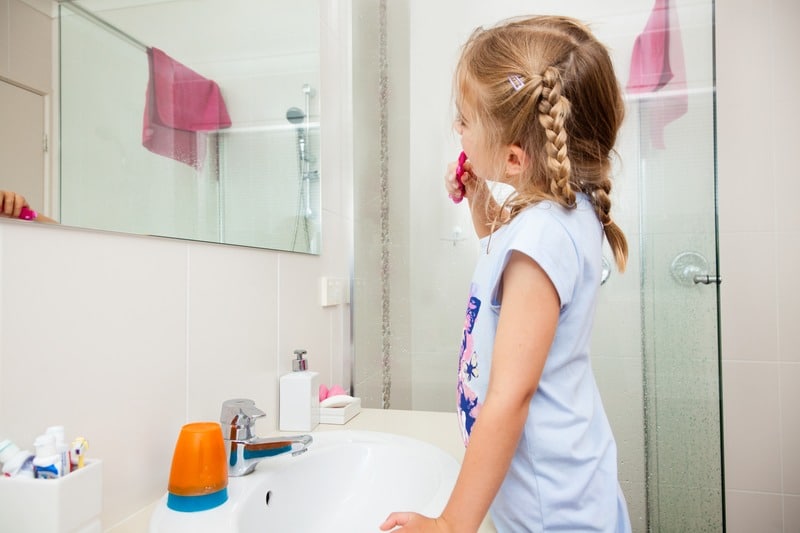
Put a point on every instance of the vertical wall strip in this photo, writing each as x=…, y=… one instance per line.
x=386, y=340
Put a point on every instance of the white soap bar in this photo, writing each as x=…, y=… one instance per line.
x=340, y=400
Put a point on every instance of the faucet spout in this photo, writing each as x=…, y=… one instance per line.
x=244, y=449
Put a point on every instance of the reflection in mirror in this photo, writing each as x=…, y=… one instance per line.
x=195, y=119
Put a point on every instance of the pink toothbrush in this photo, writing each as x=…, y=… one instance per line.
x=462, y=158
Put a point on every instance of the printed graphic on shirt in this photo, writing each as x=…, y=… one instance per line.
x=468, y=402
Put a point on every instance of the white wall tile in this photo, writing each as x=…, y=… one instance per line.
x=232, y=332
x=740, y=50
x=749, y=296
x=620, y=382
x=788, y=307
x=752, y=426
x=791, y=513
x=748, y=512
x=29, y=46
x=434, y=374
x=790, y=426
x=4, y=37
x=303, y=322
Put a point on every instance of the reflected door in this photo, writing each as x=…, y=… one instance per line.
x=22, y=143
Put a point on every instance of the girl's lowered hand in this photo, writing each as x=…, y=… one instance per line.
x=415, y=523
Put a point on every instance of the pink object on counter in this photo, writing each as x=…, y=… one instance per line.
x=179, y=106
x=657, y=64
x=336, y=390
x=325, y=392
x=462, y=158
x=28, y=214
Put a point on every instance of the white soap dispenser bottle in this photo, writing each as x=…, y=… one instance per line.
x=299, y=396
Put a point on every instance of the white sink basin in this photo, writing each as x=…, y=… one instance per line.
x=348, y=481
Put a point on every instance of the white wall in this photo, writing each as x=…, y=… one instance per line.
x=123, y=338
x=758, y=71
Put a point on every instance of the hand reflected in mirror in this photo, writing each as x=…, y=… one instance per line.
x=14, y=205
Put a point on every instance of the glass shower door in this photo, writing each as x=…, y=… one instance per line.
x=679, y=283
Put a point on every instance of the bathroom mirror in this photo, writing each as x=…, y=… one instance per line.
x=136, y=73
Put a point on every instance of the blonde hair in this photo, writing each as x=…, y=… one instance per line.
x=547, y=85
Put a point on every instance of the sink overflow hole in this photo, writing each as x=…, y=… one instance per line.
x=267, y=497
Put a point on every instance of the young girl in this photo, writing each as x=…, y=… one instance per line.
x=539, y=109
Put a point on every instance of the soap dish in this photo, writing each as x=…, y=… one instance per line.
x=339, y=415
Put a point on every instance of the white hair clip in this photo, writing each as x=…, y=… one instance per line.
x=517, y=82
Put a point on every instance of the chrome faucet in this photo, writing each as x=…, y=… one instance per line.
x=243, y=449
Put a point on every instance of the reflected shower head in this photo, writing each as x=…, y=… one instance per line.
x=295, y=115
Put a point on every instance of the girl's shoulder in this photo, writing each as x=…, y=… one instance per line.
x=550, y=212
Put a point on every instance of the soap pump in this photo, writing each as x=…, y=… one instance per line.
x=299, y=396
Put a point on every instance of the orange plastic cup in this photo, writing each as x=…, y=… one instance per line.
x=198, y=479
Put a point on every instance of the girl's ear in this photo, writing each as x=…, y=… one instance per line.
x=516, y=161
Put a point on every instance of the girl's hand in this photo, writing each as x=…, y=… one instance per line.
x=414, y=522
x=451, y=185
x=11, y=204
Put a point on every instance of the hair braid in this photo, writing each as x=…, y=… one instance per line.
x=553, y=112
x=601, y=200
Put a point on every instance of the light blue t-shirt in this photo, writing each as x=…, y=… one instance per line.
x=563, y=476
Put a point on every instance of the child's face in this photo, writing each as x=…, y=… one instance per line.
x=471, y=141
x=484, y=162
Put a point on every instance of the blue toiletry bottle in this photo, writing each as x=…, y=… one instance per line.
x=47, y=462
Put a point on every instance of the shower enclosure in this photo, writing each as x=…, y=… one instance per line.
x=656, y=342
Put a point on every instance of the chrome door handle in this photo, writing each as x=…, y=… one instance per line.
x=691, y=268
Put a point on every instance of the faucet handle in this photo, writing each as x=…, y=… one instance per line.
x=240, y=416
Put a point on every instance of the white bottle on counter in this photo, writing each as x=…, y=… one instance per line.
x=61, y=447
x=47, y=462
x=21, y=464
x=299, y=396
x=15, y=462
x=7, y=450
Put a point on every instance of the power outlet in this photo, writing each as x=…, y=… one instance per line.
x=332, y=291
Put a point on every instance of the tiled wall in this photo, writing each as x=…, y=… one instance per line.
x=758, y=71
x=122, y=338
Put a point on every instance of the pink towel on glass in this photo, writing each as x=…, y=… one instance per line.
x=657, y=65
x=180, y=105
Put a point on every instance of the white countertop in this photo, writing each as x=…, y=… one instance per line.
x=439, y=429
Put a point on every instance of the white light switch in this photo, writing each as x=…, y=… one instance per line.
x=332, y=291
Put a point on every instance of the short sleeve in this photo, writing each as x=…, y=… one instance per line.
x=541, y=236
